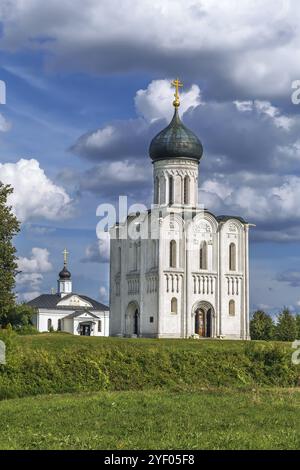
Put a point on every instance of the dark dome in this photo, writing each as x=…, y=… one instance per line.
x=175, y=141
x=64, y=274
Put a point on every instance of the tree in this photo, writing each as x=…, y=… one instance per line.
x=18, y=316
x=298, y=325
x=261, y=326
x=286, y=327
x=9, y=227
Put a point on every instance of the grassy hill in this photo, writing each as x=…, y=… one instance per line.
x=59, y=391
x=61, y=363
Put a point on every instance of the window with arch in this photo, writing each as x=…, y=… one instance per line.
x=135, y=256
x=156, y=190
x=174, y=305
x=232, y=257
x=119, y=259
x=99, y=326
x=203, y=255
x=232, y=308
x=171, y=190
x=49, y=324
x=59, y=324
x=153, y=253
x=186, y=190
x=173, y=254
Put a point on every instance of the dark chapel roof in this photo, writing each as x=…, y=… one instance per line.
x=50, y=301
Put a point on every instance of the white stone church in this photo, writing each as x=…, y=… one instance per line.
x=177, y=270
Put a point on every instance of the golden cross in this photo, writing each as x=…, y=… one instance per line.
x=65, y=253
x=176, y=83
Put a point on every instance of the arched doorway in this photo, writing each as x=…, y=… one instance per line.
x=136, y=322
x=203, y=320
x=132, y=319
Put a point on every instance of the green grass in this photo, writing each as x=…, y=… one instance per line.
x=206, y=419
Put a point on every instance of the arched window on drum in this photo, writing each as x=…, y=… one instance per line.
x=232, y=257
x=203, y=255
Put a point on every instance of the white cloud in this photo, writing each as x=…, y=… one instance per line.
x=155, y=101
x=27, y=296
x=265, y=108
x=38, y=262
x=30, y=278
x=251, y=44
x=101, y=137
x=35, y=195
x=33, y=280
x=246, y=195
x=103, y=293
x=119, y=176
x=99, y=251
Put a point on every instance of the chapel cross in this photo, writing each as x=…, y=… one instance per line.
x=65, y=253
x=176, y=83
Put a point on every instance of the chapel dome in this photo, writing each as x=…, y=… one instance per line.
x=175, y=141
x=64, y=274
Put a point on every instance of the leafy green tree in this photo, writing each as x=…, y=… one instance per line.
x=18, y=316
x=9, y=227
x=286, y=327
x=298, y=325
x=261, y=326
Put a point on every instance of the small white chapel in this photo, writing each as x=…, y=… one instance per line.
x=68, y=311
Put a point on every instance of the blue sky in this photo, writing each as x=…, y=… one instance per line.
x=88, y=86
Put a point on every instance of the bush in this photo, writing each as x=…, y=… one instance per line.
x=27, y=330
x=58, y=364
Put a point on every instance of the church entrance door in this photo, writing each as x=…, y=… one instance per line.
x=200, y=322
x=85, y=330
x=136, y=323
x=132, y=319
x=203, y=320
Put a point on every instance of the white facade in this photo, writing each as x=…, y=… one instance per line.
x=178, y=271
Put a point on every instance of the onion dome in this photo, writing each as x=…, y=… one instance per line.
x=64, y=274
x=176, y=141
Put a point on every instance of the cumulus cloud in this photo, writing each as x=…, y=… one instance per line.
x=38, y=262
x=103, y=293
x=249, y=45
x=27, y=296
x=154, y=102
x=131, y=138
x=31, y=276
x=268, y=201
x=35, y=195
x=117, y=178
x=98, y=252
